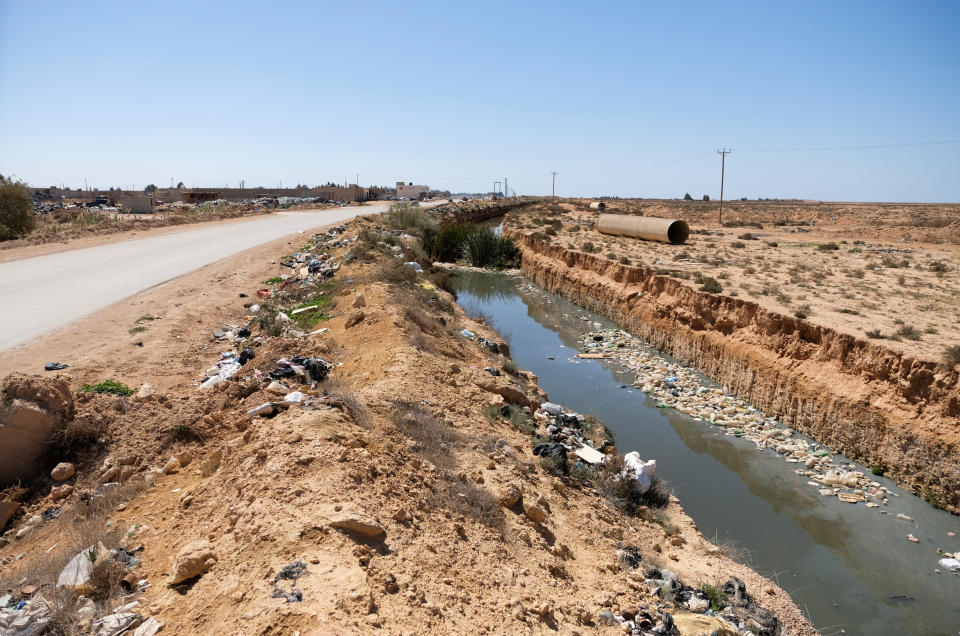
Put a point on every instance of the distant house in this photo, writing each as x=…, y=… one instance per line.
x=410, y=191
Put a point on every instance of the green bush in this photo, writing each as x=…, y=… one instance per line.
x=448, y=242
x=16, y=211
x=483, y=248
x=711, y=285
x=108, y=386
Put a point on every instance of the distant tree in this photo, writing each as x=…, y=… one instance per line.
x=180, y=186
x=16, y=210
x=706, y=197
x=150, y=189
x=687, y=197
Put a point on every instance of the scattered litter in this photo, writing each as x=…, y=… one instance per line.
x=54, y=366
x=950, y=564
x=466, y=333
x=291, y=573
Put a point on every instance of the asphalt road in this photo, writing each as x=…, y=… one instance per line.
x=43, y=293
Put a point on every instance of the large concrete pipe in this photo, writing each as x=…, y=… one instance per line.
x=650, y=228
x=598, y=205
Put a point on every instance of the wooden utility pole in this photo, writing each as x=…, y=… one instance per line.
x=723, y=160
x=553, y=190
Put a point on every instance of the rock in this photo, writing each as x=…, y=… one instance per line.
x=61, y=491
x=212, y=463
x=172, y=465
x=63, y=471
x=126, y=472
x=109, y=474
x=700, y=624
x=509, y=494
x=145, y=392
x=276, y=388
x=355, y=521
x=359, y=301
x=193, y=560
x=355, y=317
x=535, y=513
x=31, y=409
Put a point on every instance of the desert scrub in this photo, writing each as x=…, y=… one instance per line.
x=909, y=332
x=951, y=355
x=484, y=248
x=321, y=301
x=273, y=281
x=409, y=218
x=828, y=247
x=710, y=285
x=108, y=386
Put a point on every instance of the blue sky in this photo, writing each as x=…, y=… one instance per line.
x=629, y=99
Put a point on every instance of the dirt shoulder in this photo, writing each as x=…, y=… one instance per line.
x=411, y=507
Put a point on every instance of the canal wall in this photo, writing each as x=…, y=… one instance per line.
x=877, y=406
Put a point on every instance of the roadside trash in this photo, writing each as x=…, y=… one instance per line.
x=317, y=368
x=639, y=471
x=263, y=293
x=244, y=332
x=54, y=366
x=290, y=573
x=225, y=368
x=254, y=309
x=296, y=397
x=415, y=266
x=268, y=408
x=950, y=564
x=492, y=371
x=466, y=333
x=589, y=454
x=551, y=408
x=489, y=344
x=246, y=355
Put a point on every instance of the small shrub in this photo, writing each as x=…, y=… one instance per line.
x=137, y=329
x=409, y=218
x=443, y=281
x=394, y=271
x=624, y=260
x=16, y=210
x=108, y=386
x=714, y=593
x=828, y=247
x=802, y=311
x=747, y=236
x=621, y=493
x=951, y=355
x=874, y=334
x=909, y=332
x=711, y=285
x=938, y=266
x=588, y=247
x=877, y=470
x=273, y=281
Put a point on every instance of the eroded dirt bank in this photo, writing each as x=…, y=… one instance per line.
x=410, y=505
x=879, y=407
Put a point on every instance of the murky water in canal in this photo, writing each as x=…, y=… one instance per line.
x=848, y=567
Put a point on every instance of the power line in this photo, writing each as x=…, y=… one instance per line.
x=866, y=147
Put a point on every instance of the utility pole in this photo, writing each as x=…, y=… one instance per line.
x=723, y=160
x=506, y=190
x=495, y=184
x=554, y=187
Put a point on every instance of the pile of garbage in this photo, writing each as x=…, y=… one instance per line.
x=30, y=613
x=662, y=590
x=678, y=387
x=567, y=432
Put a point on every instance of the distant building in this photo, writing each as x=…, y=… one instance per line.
x=410, y=191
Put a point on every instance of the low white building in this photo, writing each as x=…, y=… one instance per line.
x=410, y=191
